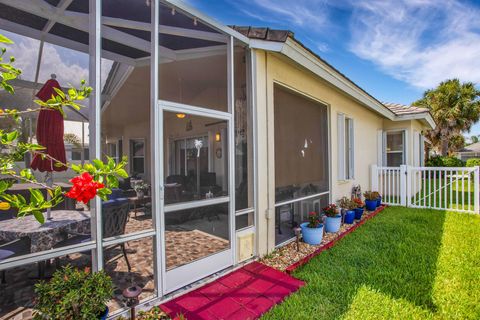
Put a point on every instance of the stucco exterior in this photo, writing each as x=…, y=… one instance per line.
x=272, y=69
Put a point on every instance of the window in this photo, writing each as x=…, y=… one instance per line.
x=137, y=156
x=112, y=151
x=395, y=148
x=345, y=147
x=77, y=154
x=422, y=150
x=418, y=149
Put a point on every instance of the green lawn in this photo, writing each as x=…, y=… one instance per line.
x=403, y=264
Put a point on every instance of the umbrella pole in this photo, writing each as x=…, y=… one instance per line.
x=49, y=183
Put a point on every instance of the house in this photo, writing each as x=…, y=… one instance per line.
x=240, y=131
x=468, y=152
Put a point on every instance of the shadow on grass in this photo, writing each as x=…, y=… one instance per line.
x=395, y=253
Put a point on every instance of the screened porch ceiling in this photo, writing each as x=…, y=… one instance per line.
x=184, y=33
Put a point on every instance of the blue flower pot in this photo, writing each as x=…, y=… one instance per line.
x=371, y=205
x=312, y=235
x=358, y=213
x=379, y=201
x=104, y=315
x=332, y=224
x=349, y=216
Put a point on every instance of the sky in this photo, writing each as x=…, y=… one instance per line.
x=395, y=50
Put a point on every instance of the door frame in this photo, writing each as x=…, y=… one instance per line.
x=196, y=270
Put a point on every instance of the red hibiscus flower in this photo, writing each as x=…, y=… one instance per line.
x=84, y=188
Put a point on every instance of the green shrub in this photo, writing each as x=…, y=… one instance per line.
x=439, y=161
x=73, y=294
x=473, y=162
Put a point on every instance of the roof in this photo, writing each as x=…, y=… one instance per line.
x=474, y=147
x=401, y=109
x=264, y=33
x=126, y=26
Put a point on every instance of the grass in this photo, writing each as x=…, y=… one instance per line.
x=403, y=264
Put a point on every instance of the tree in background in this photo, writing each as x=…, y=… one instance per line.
x=474, y=139
x=455, y=107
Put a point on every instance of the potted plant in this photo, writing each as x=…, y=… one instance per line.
x=74, y=294
x=370, y=200
x=140, y=188
x=334, y=218
x=359, y=209
x=379, y=198
x=349, y=207
x=312, y=231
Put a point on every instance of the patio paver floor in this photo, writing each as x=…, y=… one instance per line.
x=246, y=293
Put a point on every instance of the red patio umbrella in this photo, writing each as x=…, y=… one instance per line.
x=49, y=132
x=50, y=136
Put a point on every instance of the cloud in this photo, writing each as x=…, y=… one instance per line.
x=68, y=65
x=311, y=14
x=421, y=42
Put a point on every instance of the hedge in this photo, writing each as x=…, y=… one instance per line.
x=439, y=161
x=473, y=162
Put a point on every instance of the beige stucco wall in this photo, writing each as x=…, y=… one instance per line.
x=272, y=69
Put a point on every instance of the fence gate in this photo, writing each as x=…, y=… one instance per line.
x=440, y=188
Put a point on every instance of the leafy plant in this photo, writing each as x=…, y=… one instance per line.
x=371, y=195
x=141, y=186
x=359, y=202
x=331, y=210
x=473, y=162
x=73, y=294
x=313, y=220
x=440, y=161
x=346, y=203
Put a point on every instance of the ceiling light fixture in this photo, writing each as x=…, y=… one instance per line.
x=181, y=115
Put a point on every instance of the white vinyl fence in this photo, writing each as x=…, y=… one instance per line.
x=429, y=187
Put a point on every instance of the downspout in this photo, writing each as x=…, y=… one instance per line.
x=267, y=213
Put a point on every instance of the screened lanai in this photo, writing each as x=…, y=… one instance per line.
x=185, y=126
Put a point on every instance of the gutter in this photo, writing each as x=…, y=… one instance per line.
x=294, y=50
x=426, y=117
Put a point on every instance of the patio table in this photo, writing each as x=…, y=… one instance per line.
x=45, y=236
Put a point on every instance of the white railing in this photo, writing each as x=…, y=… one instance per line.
x=440, y=188
x=390, y=184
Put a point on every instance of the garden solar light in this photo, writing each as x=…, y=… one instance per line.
x=131, y=294
x=297, y=231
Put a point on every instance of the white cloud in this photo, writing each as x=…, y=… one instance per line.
x=68, y=65
x=421, y=42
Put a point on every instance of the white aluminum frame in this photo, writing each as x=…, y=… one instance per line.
x=175, y=278
x=95, y=28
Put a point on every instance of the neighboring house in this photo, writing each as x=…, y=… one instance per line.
x=248, y=131
x=468, y=152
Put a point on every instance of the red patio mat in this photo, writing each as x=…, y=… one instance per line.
x=244, y=294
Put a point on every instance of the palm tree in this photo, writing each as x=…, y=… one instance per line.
x=455, y=107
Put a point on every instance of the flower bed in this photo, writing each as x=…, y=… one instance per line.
x=287, y=258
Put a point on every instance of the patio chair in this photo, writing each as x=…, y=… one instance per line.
x=13, y=249
x=114, y=214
